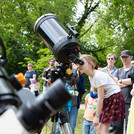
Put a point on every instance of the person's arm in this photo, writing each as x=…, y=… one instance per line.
x=44, y=75
x=122, y=82
x=86, y=100
x=34, y=76
x=85, y=103
x=99, y=105
x=126, y=82
x=43, y=78
x=121, y=85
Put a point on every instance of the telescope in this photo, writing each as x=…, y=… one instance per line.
x=58, y=39
x=65, y=48
x=19, y=117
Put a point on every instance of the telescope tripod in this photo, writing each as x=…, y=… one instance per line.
x=64, y=125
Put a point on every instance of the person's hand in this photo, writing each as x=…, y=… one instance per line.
x=75, y=66
x=94, y=112
x=96, y=121
x=30, y=86
x=121, y=85
x=120, y=81
x=132, y=92
x=46, y=79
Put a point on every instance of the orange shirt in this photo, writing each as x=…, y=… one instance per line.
x=90, y=107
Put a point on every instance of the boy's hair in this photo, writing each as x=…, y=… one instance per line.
x=110, y=54
x=51, y=59
x=30, y=64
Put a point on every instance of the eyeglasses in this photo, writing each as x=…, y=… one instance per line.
x=110, y=58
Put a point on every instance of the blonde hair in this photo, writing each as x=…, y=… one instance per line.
x=91, y=60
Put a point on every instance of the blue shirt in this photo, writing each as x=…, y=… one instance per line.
x=29, y=75
x=113, y=71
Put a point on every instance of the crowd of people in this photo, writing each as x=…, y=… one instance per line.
x=109, y=105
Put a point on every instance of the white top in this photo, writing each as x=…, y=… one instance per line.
x=103, y=79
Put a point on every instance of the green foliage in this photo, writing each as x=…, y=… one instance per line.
x=40, y=64
x=17, y=23
x=104, y=27
x=109, y=30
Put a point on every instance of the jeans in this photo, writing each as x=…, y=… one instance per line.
x=88, y=127
x=72, y=119
x=58, y=126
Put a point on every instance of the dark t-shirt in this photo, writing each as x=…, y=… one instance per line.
x=29, y=75
x=122, y=74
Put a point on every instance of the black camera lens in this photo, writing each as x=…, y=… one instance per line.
x=35, y=114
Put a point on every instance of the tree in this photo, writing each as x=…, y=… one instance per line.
x=108, y=28
x=17, y=23
x=104, y=26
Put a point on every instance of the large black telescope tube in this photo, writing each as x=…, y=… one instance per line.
x=56, y=37
x=35, y=114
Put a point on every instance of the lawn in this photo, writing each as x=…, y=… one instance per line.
x=78, y=129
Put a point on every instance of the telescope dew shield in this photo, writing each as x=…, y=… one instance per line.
x=35, y=114
x=56, y=37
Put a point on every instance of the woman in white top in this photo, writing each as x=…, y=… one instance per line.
x=111, y=105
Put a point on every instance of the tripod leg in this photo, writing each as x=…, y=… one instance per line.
x=53, y=130
x=64, y=125
x=54, y=124
x=65, y=128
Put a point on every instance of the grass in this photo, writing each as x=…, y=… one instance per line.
x=78, y=129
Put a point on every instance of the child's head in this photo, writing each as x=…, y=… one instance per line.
x=90, y=59
x=33, y=81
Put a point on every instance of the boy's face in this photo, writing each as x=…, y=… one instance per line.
x=29, y=67
x=51, y=62
x=110, y=60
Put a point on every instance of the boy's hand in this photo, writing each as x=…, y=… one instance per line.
x=94, y=113
x=132, y=92
x=96, y=121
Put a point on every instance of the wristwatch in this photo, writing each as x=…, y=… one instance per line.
x=98, y=115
